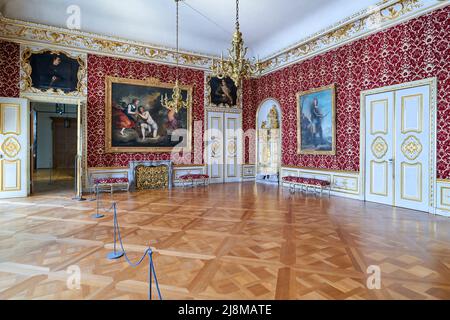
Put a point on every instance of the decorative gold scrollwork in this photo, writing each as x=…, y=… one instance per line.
x=148, y=178
x=412, y=148
x=379, y=147
x=11, y=147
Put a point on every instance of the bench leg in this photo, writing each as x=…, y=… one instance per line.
x=291, y=188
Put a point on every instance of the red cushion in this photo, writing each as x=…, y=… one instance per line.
x=307, y=181
x=290, y=179
x=317, y=182
x=194, y=177
x=110, y=180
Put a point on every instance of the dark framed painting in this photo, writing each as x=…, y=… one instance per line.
x=53, y=71
x=223, y=92
x=316, y=120
x=136, y=120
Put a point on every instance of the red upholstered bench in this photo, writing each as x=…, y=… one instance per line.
x=307, y=183
x=102, y=183
x=192, y=178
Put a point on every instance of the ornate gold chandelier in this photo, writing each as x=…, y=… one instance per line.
x=237, y=66
x=177, y=102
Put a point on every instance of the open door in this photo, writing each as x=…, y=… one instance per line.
x=14, y=148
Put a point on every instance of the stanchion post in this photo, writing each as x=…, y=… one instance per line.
x=78, y=163
x=97, y=215
x=116, y=254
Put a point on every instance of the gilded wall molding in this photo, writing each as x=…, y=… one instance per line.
x=386, y=14
x=59, y=38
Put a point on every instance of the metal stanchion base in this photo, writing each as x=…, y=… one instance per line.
x=97, y=216
x=115, y=255
x=79, y=199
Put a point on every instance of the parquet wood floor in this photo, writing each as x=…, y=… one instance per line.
x=235, y=241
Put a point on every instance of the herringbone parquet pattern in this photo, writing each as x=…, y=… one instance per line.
x=237, y=241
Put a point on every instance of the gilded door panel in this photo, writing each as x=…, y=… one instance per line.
x=413, y=149
x=233, y=147
x=11, y=175
x=379, y=177
x=10, y=116
x=215, y=155
x=411, y=178
x=14, y=141
x=379, y=148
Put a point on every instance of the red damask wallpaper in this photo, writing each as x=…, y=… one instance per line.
x=99, y=67
x=415, y=50
x=9, y=69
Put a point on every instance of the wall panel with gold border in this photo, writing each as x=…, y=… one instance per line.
x=248, y=172
x=443, y=197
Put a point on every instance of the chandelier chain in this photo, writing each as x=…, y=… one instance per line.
x=177, y=36
x=176, y=102
x=237, y=14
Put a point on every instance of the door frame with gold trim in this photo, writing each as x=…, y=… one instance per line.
x=81, y=102
x=432, y=83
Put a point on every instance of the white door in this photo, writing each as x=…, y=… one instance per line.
x=233, y=147
x=398, y=148
x=379, y=148
x=412, y=159
x=14, y=151
x=215, y=155
x=224, y=147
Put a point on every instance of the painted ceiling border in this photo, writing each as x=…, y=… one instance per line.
x=359, y=25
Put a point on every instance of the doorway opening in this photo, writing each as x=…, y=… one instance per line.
x=268, y=146
x=54, y=147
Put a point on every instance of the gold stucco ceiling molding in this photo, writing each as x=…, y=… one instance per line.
x=59, y=38
x=385, y=14
x=371, y=20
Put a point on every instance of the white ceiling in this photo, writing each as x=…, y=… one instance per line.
x=268, y=25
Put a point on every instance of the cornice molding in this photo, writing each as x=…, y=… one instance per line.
x=386, y=14
x=34, y=34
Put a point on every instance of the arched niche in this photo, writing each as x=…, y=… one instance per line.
x=268, y=141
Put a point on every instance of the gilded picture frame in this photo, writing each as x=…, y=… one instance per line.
x=150, y=91
x=216, y=100
x=33, y=72
x=316, y=121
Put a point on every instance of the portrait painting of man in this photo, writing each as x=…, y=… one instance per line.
x=316, y=113
x=223, y=92
x=54, y=70
x=137, y=121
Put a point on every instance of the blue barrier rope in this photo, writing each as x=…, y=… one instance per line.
x=148, y=252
